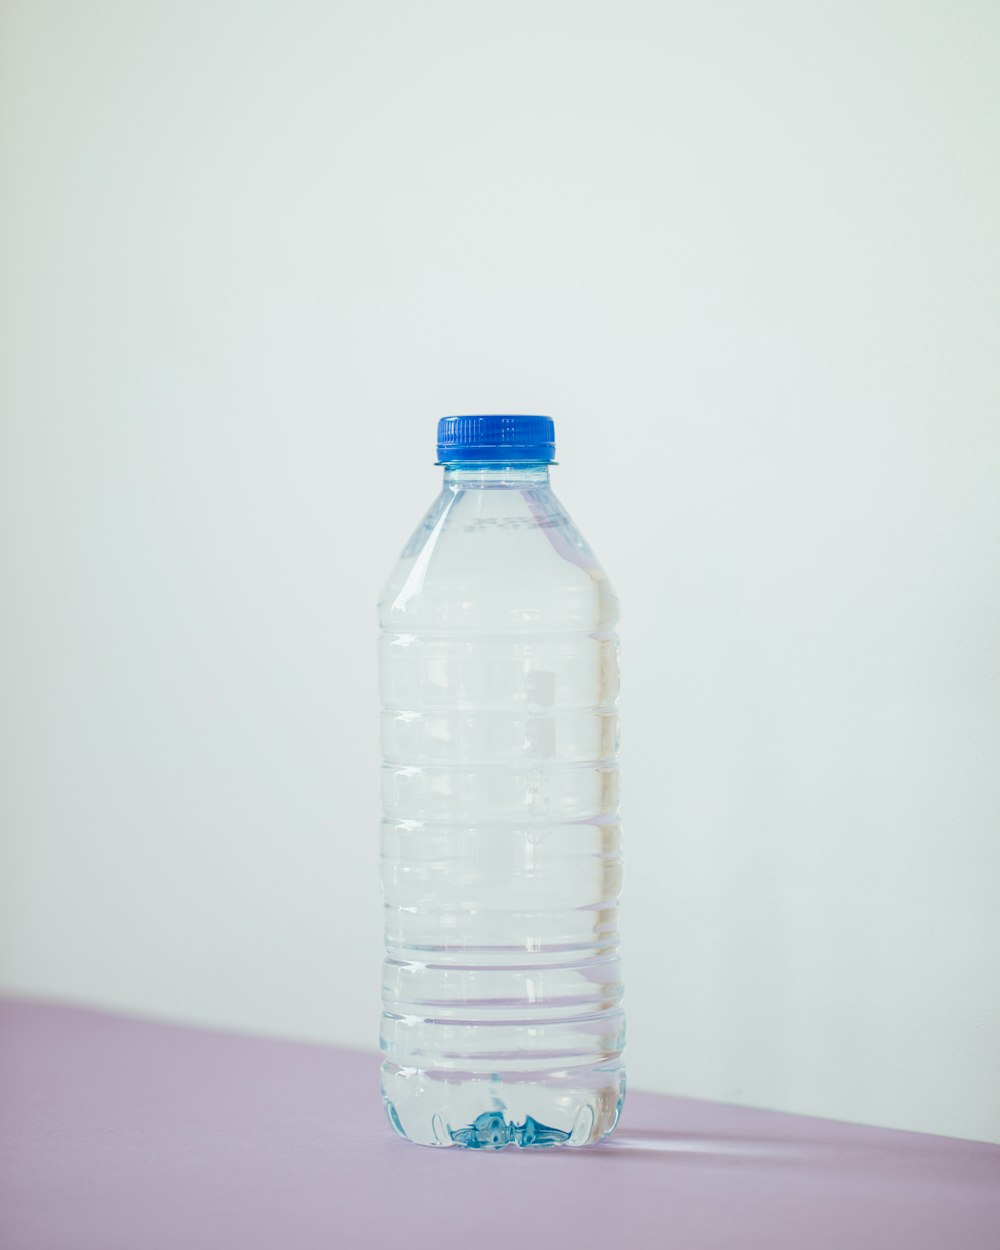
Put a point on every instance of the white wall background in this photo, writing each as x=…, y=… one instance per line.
x=746, y=254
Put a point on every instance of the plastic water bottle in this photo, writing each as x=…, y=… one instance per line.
x=501, y=845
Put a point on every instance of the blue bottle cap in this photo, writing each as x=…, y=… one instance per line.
x=496, y=439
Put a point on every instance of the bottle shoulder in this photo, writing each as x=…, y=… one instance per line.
x=498, y=560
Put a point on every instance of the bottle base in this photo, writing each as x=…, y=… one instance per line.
x=491, y=1112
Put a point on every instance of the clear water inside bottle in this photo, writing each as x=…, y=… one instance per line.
x=501, y=843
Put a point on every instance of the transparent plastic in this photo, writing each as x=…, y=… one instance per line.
x=501, y=844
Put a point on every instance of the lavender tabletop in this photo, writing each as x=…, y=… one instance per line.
x=120, y=1133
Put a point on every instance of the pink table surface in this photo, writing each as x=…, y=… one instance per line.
x=121, y=1133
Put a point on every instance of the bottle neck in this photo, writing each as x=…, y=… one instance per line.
x=471, y=476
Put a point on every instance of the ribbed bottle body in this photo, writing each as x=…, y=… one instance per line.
x=501, y=844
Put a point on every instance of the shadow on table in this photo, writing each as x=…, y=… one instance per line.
x=660, y=1141
x=860, y=1155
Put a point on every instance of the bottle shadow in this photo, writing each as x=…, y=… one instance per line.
x=860, y=1154
x=651, y=1142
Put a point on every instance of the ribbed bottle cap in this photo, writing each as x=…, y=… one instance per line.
x=496, y=439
